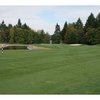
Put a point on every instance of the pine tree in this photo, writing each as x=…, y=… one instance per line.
x=56, y=37
x=91, y=22
x=63, y=32
x=3, y=25
x=79, y=24
x=25, y=26
x=98, y=20
x=80, y=33
x=57, y=29
x=19, y=24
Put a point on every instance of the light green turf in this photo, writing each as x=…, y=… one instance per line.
x=62, y=69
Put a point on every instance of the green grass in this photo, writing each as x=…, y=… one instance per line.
x=62, y=69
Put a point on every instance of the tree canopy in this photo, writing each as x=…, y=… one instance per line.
x=21, y=33
x=76, y=32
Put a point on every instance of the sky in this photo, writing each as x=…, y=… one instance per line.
x=46, y=17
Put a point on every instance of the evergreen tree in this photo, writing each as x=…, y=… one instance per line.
x=3, y=29
x=71, y=33
x=19, y=24
x=90, y=23
x=63, y=32
x=57, y=35
x=98, y=20
x=25, y=26
x=89, y=29
x=79, y=24
x=80, y=32
x=57, y=29
x=3, y=25
x=98, y=29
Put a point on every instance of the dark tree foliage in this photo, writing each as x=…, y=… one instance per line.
x=11, y=32
x=79, y=24
x=90, y=23
x=24, y=26
x=10, y=26
x=91, y=36
x=57, y=29
x=56, y=37
x=71, y=34
x=3, y=25
x=46, y=38
x=21, y=33
x=3, y=32
x=97, y=32
x=75, y=32
x=63, y=32
x=98, y=20
x=19, y=24
x=80, y=32
x=90, y=28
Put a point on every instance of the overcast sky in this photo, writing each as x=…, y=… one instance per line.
x=46, y=17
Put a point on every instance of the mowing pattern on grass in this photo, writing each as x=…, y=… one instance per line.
x=62, y=69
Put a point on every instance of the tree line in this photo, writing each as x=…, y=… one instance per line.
x=76, y=32
x=22, y=33
x=72, y=33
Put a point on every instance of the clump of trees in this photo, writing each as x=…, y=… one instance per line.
x=71, y=33
x=21, y=33
x=78, y=33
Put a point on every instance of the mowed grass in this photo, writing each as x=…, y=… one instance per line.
x=62, y=69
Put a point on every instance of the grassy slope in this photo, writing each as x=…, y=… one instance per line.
x=61, y=70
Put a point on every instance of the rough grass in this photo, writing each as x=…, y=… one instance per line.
x=62, y=69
